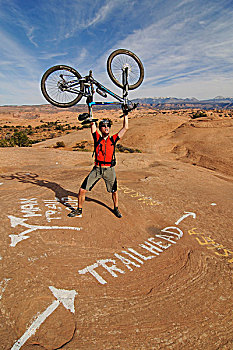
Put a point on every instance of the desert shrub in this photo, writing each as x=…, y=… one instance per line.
x=59, y=144
x=35, y=141
x=121, y=148
x=4, y=143
x=198, y=114
x=21, y=139
x=59, y=127
x=81, y=145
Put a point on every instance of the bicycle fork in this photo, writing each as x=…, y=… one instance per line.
x=125, y=90
x=125, y=84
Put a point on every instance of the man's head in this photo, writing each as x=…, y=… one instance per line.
x=104, y=126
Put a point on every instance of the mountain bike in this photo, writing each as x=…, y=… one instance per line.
x=64, y=87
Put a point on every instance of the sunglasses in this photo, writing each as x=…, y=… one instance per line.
x=105, y=125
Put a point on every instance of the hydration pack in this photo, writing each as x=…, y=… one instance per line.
x=101, y=154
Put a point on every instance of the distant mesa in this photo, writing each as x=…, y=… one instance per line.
x=219, y=102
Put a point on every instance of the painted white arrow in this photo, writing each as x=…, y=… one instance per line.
x=15, y=221
x=188, y=213
x=65, y=297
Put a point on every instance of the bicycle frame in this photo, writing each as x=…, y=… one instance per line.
x=89, y=91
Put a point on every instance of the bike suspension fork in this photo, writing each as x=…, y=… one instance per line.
x=125, y=84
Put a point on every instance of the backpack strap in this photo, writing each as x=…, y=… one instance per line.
x=96, y=144
x=113, y=161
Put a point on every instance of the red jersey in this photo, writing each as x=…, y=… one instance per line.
x=104, y=149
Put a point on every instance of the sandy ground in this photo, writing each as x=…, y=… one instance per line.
x=158, y=278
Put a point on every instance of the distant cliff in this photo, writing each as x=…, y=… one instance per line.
x=178, y=103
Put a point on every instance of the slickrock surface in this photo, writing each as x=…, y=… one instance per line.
x=158, y=278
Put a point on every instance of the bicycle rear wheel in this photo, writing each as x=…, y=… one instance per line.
x=61, y=86
x=120, y=59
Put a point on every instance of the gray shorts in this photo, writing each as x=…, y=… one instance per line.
x=108, y=174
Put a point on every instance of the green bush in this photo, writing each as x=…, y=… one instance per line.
x=21, y=139
x=4, y=143
x=198, y=114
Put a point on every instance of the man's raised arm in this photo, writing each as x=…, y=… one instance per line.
x=125, y=127
x=93, y=127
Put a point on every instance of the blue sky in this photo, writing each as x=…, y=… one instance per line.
x=186, y=45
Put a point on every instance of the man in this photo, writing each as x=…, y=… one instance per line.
x=104, y=149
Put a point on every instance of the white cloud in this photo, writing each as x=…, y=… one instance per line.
x=19, y=72
x=12, y=13
x=74, y=17
x=51, y=55
x=176, y=50
x=184, y=2
x=15, y=55
x=102, y=13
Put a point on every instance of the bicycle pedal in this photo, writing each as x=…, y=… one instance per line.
x=83, y=116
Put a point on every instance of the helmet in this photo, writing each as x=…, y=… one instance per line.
x=105, y=122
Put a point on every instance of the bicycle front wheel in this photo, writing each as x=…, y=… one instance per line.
x=120, y=59
x=61, y=86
